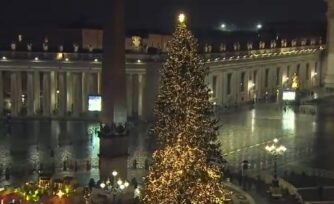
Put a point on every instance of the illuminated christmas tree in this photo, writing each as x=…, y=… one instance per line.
x=186, y=130
x=183, y=104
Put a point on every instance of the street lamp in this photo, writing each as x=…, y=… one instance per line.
x=275, y=150
x=259, y=26
x=114, y=187
x=244, y=168
x=223, y=26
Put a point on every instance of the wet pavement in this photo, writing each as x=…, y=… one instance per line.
x=28, y=145
x=245, y=134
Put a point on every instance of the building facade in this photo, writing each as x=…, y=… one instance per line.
x=49, y=84
x=329, y=78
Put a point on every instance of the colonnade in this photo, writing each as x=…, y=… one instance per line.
x=135, y=94
x=60, y=93
x=241, y=83
x=52, y=89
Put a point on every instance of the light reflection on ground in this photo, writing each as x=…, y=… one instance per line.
x=33, y=144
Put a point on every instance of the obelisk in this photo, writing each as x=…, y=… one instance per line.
x=113, y=65
x=329, y=75
x=113, y=145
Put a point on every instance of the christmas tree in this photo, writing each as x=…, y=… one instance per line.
x=183, y=104
x=186, y=130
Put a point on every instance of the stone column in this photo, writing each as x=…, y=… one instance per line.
x=30, y=94
x=269, y=84
x=135, y=95
x=314, y=79
x=224, y=92
x=256, y=81
x=329, y=75
x=37, y=92
x=246, y=94
x=141, y=87
x=220, y=88
x=129, y=93
x=262, y=84
x=53, y=87
x=1, y=93
x=69, y=92
x=93, y=87
x=46, y=94
x=13, y=93
x=98, y=80
x=309, y=74
x=61, y=95
x=77, y=94
x=235, y=86
x=303, y=73
x=85, y=90
x=19, y=92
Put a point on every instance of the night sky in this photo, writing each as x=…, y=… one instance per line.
x=160, y=14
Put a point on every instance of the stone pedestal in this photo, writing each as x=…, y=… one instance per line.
x=1, y=94
x=113, y=154
x=329, y=76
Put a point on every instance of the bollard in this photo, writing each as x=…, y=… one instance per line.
x=1, y=170
x=52, y=154
x=146, y=164
x=75, y=166
x=134, y=182
x=41, y=166
x=64, y=166
x=88, y=166
x=7, y=174
x=134, y=165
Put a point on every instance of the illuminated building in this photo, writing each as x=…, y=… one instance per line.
x=55, y=86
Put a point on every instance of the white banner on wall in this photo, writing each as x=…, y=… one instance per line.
x=289, y=95
x=95, y=103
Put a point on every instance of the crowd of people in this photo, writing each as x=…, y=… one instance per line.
x=113, y=129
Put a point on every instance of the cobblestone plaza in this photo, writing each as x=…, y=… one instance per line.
x=71, y=147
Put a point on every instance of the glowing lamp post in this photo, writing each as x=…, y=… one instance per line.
x=223, y=26
x=114, y=187
x=275, y=150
